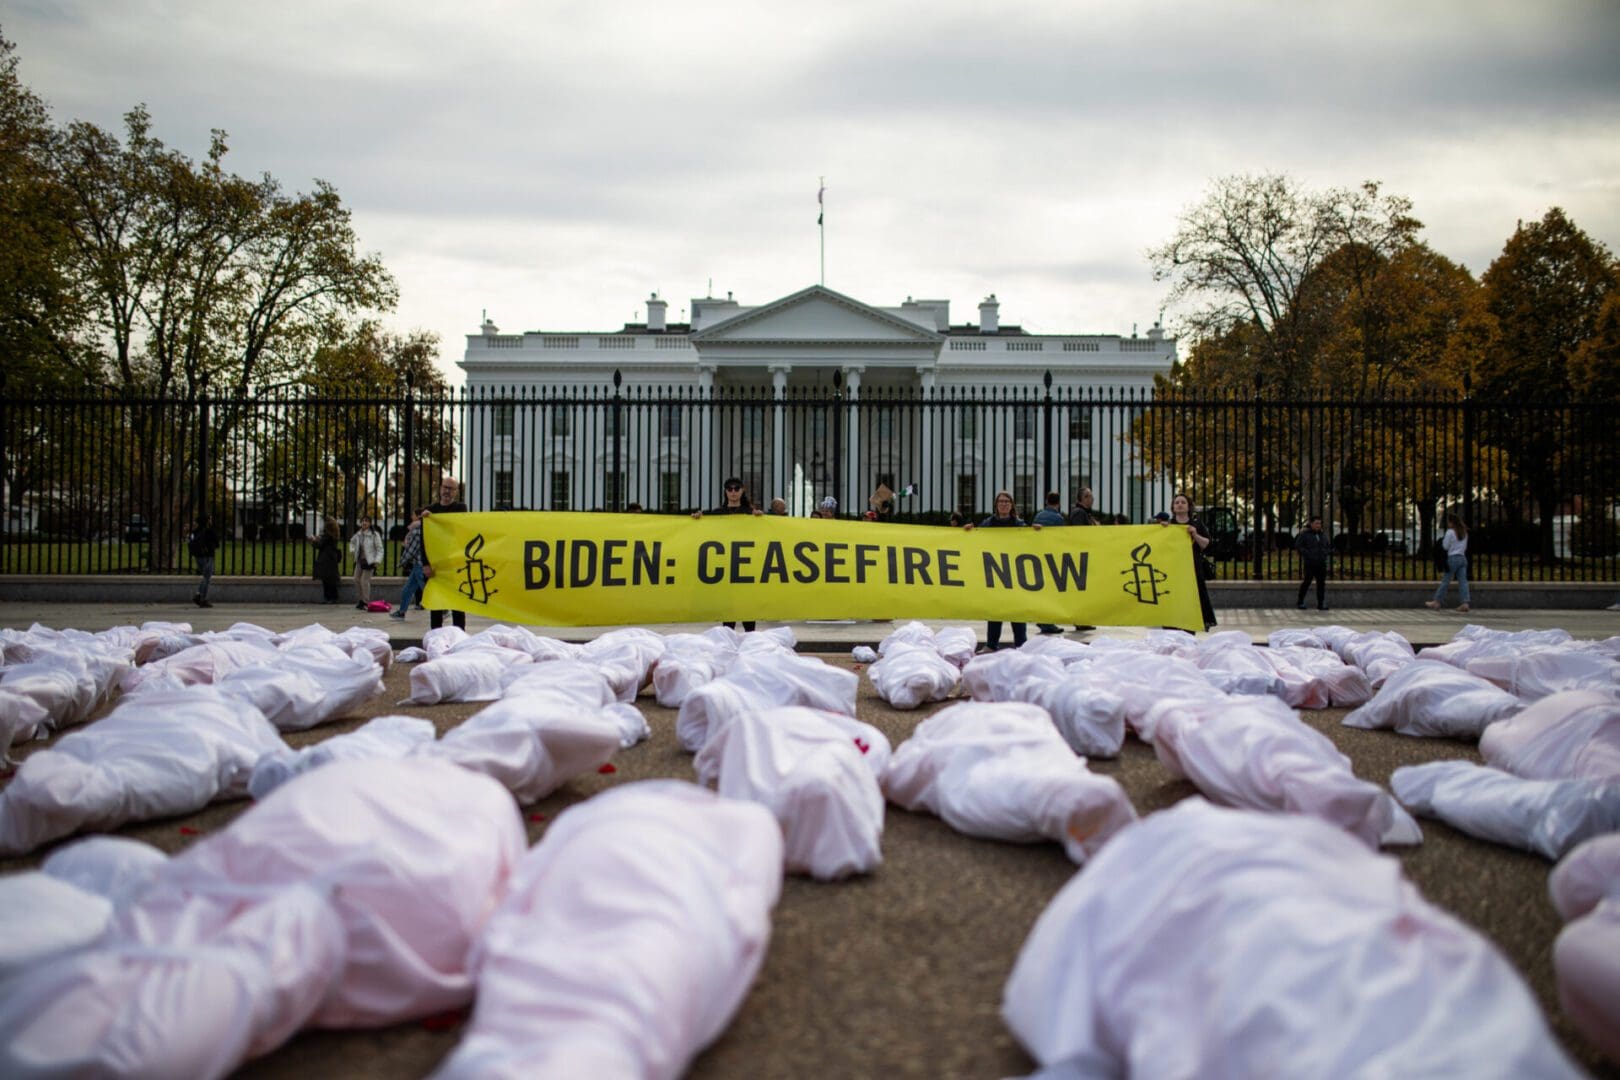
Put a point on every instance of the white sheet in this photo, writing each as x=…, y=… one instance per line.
x=802, y=765
x=380, y=737
x=1430, y=698
x=1563, y=736
x=1548, y=817
x=1204, y=942
x=1002, y=771
x=629, y=939
x=757, y=683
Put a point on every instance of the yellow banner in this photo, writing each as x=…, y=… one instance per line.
x=578, y=569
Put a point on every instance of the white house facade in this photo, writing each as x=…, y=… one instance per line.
x=814, y=393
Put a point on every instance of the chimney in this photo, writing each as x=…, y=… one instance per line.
x=655, y=314
x=489, y=328
x=1157, y=333
x=989, y=322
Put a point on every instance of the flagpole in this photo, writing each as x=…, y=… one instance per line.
x=821, y=227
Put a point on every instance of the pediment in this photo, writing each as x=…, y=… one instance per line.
x=816, y=315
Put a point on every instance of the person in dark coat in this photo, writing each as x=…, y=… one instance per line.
x=448, y=502
x=328, y=556
x=1005, y=516
x=1049, y=515
x=1315, y=547
x=1181, y=515
x=1081, y=514
x=734, y=501
x=202, y=543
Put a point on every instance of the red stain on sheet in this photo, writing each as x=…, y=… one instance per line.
x=608, y=768
x=187, y=830
x=537, y=817
x=862, y=745
x=445, y=1021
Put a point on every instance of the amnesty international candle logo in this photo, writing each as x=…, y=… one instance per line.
x=477, y=574
x=1145, y=577
x=592, y=569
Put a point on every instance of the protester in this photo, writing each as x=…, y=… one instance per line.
x=1005, y=516
x=1181, y=514
x=1315, y=547
x=828, y=508
x=1047, y=516
x=366, y=548
x=410, y=561
x=1455, y=545
x=202, y=543
x=736, y=501
x=448, y=503
x=1081, y=514
x=779, y=507
x=328, y=556
x=633, y=508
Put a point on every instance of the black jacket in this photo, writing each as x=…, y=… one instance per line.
x=1315, y=547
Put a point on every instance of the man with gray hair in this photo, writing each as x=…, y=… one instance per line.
x=448, y=502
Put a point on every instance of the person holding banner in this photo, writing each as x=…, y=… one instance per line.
x=1005, y=516
x=1181, y=514
x=736, y=501
x=448, y=504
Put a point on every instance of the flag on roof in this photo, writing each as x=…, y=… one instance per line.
x=821, y=206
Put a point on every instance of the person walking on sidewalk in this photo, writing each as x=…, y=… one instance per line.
x=1315, y=547
x=365, y=547
x=410, y=561
x=202, y=543
x=1049, y=515
x=1455, y=545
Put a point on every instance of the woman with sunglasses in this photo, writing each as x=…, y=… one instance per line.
x=1005, y=516
x=735, y=501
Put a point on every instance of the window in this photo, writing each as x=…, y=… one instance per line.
x=669, y=492
x=754, y=488
x=612, y=419
x=503, y=489
x=967, y=493
x=885, y=422
x=669, y=421
x=613, y=491
x=560, y=420
x=753, y=423
x=1079, y=424
x=1023, y=494
x=1137, y=488
x=505, y=419
x=818, y=424
x=559, y=491
x=1024, y=425
x=968, y=425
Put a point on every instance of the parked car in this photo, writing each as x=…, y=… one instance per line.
x=1223, y=532
x=136, y=530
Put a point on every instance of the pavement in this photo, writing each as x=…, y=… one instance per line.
x=1418, y=625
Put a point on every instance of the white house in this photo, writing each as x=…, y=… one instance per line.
x=795, y=397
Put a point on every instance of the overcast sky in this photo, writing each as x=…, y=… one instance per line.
x=555, y=162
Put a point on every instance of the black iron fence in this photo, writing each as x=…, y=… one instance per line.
x=99, y=485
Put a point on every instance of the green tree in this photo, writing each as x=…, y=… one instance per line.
x=1547, y=292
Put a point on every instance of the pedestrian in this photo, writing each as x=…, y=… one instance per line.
x=1181, y=514
x=410, y=561
x=448, y=503
x=1082, y=515
x=1455, y=545
x=734, y=500
x=1049, y=515
x=1004, y=516
x=1315, y=548
x=202, y=543
x=366, y=548
x=328, y=556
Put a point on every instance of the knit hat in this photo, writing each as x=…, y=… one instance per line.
x=829, y=503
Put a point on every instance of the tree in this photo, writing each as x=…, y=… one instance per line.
x=1244, y=254
x=1546, y=291
x=203, y=283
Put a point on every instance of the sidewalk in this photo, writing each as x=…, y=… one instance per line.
x=1418, y=625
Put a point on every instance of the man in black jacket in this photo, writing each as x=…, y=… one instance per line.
x=1314, y=547
x=202, y=543
x=448, y=502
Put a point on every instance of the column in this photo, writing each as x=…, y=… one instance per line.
x=708, y=484
x=857, y=479
x=927, y=467
x=781, y=468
